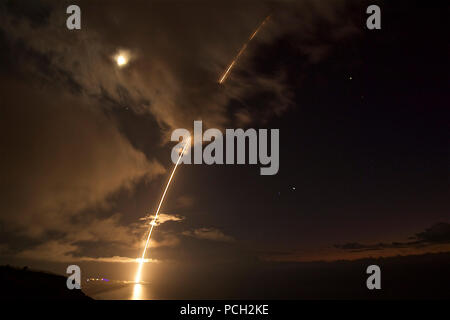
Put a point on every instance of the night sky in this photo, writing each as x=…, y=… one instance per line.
x=363, y=118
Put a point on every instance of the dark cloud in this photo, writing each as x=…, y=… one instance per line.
x=439, y=233
x=209, y=234
x=37, y=12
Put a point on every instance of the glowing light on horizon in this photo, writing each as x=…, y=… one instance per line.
x=153, y=222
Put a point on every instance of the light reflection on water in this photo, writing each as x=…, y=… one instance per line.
x=119, y=290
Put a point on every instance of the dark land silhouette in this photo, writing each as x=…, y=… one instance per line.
x=23, y=283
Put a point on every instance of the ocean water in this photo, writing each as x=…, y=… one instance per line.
x=118, y=290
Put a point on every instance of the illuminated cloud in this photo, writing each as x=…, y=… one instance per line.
x=67, y=165
x=163, y=218
x=160, y=80
x=56, y=251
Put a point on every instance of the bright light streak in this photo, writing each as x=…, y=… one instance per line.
x=153, y=223
x=227, y=71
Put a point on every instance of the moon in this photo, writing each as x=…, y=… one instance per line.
x=121, y=60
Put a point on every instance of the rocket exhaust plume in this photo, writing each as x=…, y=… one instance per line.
x=236, y=58
x=153, y=223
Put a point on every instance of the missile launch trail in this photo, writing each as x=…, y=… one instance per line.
x=227, y=71
x=153, y=223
